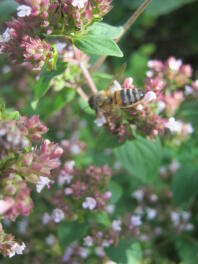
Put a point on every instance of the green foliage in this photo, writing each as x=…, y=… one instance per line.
x=141, y=158
x=116, y=191
x=43, y=84
x=157, y=8
x=7, y=8
x=70, y=232
x=105, y=30
x=188, y=250
x=97, y=45
x=126, y=252
x=185, y=184
x=100, y=40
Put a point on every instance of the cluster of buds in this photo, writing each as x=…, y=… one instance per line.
x=166, y=87
x=92, y=246
x=24, y=39
x=22, y=162
x=81, y=190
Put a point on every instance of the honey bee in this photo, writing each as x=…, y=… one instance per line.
x=105, y=101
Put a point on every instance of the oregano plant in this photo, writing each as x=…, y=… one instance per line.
x=94, y=168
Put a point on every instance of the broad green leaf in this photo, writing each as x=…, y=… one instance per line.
x=46, y=76
x=126, y=252
x=141, y=158
x=70, y=232
x=7, y=8
x=157, y=8
x=11, y=115
x=188, y=250
x=98, y=45
x=185, y=184
x=116, y=191
x=105, y=30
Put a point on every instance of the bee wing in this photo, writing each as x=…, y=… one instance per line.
x=116, y=76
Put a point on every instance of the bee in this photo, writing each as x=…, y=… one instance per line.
x=105, y=101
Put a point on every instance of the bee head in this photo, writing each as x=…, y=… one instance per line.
x=91, y=102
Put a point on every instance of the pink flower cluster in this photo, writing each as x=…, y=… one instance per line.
x=23, y=162
x=24, y=39
x=82, y=190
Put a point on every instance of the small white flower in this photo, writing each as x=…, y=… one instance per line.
x=79, y=3
x=60, y=46
x=136, y=220
x=50, y=240
x=110, y=208
x=83, y=252
x=68, y=191
x=62, y=179
x=100, y=121
x=69, y=165
x=46, y=218
x=173, y=125
x=42, y=182
x=150, y=96
x=6, y=35
x=138, y=195
x=151, y=213
x=189, y=128
x=24, y=10
x=174, y=166
x=99, y=251
x=189, y=227
x=6, y=69
x=16, y=249
x=116, y=225
x=151, y=64
x=185, y=215
x=174, y=64
x=89, y=203
x=175, y=218
x=58, y=215
x=88, y=241
x=149, y=73
x=153, y=198
x=161, y=106
x=105, y=243
x=140, y=107
x=75, y=149
x=188, y=90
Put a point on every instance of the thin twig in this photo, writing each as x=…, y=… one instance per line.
x=82, y=94
x=85, y=73
x=126, y=27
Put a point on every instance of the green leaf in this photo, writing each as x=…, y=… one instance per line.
x=185, y=184
x=70, y=232
x=46, y=76
x=141, y=158
x=188, y=250
x=98, y=45
x=116, y=191
x=157, y=8
x=105, y=30
x=126, y=252
x=11, y=115
x=7, y=8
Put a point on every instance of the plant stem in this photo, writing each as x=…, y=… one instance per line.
x=82, y=94
x=85, y=72
x=126, y=27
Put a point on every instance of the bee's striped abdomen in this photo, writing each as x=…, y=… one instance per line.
x=127, y=97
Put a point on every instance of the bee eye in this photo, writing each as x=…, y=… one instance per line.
x=91, y=102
